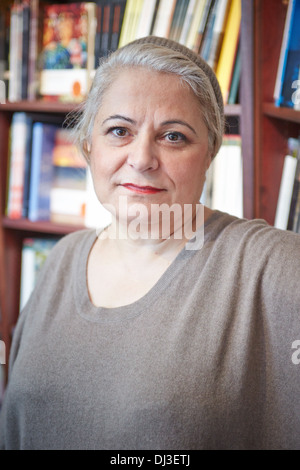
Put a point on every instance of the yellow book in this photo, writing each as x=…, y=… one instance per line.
x=136, y=14
x=198, y=12
x=126, y=24
x=229, y=47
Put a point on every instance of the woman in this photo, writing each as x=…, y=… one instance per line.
x=131, y=340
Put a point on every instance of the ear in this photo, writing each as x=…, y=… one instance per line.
x=87, y=147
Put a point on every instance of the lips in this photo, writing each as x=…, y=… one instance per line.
x=142, y=189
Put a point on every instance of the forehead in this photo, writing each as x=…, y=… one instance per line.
x=140, y=87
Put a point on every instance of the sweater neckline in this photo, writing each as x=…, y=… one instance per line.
x=90, y=312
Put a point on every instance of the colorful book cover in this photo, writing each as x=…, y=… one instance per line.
x=292, y=60
x=65, y=50
x=19, y=153
x=41, y=176
x=229, y=47
x=68, y=190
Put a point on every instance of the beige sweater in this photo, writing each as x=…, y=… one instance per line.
x=208, y=359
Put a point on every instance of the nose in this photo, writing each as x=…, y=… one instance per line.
x=142, y=155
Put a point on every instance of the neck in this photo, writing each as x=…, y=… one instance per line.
x=132, y=244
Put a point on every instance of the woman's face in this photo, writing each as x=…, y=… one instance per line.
x=149, y=142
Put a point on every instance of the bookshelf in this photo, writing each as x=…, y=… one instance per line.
x=241, y=118
x=273, y=125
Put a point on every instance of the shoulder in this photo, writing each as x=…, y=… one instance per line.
x=253, y=241
x=67, y=253
x=73, y=240
x=254, y=232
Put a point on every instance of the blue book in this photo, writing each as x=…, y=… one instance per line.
x=43, y=140
x=27, y=166
x=291, y=62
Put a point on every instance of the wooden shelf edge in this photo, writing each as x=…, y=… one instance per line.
x=40, y=106
x=232, y=109
x=40, y=226
x=287, y=114
x=57, y=107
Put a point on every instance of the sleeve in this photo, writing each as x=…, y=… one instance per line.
x=17, y=335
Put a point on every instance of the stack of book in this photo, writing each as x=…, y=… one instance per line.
x=287, y=85
x=48, y=178
x=51, y=50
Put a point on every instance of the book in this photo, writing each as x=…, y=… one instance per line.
x=68, y=188
x=235, y=81
x=164, y=16
x=178, y=19
x=68, y=54
x=195, y=24
x=132, y=12
x=283, y=50
x=4, y=51
x=229, y=47
x=187, y=22
x=34, y=254
x=34, y=47
x=25, y=48
x=15, y=52
x=218, y=33
x=146, y=19
x=290, y=68
x=296, y=189
x=204, y=25
x=18, y=164
x=225, y=175
x=41, y=174
x=106, y=25
x=285, y=192
x=118, y=15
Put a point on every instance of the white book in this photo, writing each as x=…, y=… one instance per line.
x=285, y=192
x=227, y=178
x=146, y=18
x=27, y=274
x=163, y=18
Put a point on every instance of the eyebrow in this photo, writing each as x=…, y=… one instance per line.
x=165, y=123
x=119, y=116
x=178, y=121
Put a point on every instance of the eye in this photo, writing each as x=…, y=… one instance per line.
x=175, y=137
x=118, y=131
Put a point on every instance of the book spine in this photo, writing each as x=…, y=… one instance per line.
x=25, y=51
x=17, y=166
x=41, y=171
x=285, y=192
x=283, y=51
x=229, y=48
x=291, y=66
x=33, y=50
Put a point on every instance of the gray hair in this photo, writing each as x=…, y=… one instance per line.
x=161, y=55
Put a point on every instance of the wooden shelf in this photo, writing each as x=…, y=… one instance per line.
x=39, y=226
x=233, y=109
x=40, y=106
x=286, y=114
